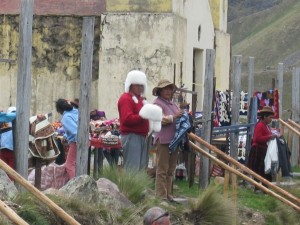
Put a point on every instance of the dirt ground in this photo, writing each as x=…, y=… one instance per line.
x=251, y=217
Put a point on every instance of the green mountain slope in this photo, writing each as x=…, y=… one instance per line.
x=271, y=36
x=239, y=8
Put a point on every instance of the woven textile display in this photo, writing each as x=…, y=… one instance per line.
x=268, y=98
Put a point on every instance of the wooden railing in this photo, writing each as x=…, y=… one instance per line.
x=42, y=197
x=291, y=133
x=236, y=169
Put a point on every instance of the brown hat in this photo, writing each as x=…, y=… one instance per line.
x=266, y=110
x=161, y=84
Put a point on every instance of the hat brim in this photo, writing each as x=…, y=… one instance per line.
x=265, y=112
x=154, y=91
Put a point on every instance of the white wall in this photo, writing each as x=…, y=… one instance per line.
x=149, y=42
x=198, y=14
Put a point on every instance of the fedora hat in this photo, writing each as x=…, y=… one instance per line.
x=162, y=84
x=266, y=110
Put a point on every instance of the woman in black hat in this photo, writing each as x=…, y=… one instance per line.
x=262, y=134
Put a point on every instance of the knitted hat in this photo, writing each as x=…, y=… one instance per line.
x=11, y=109
x=136, y=77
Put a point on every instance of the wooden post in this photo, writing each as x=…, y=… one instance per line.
x=235, y=107
x=234, y=194
x=280, y=87
x=207, y=111
x=250, y=78
x=295, y=115
x=23, y=88
x=252, y=118
x=226, y=183
x=191, y=154
x=83, y=142
x=38, y=172
x=235, y=113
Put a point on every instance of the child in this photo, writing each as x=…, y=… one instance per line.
x=69, y=122
x=6, y=143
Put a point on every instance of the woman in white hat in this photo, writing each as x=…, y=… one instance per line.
x=134, y=129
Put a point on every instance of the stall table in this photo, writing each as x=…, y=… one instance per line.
x=99, y=145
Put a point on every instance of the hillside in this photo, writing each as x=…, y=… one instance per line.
x=271, y=36
x=240, y=8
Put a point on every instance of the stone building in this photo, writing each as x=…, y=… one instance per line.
x=165, y=38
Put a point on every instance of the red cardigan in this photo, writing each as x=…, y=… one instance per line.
x=130, y=121
x=261, y=135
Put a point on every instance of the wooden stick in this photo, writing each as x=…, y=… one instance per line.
x=14, y=217
x=290, y=127
x=293, y=123
x=41, y=196
x=260, y=186
x=234, y=192
x=244, y=168
x=226, y=183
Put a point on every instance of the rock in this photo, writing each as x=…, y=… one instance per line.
x=111, y=196
x=83, y=188
x=7, y=187
x=103, y=192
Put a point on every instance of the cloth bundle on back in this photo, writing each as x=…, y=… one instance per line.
x=41, y=139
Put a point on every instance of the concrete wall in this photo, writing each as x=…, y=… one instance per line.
x=150, y=42
x=200, y=36
x=219, y=10
x=222, y=63
x=55, y=61
x=161, y=43
x=139, y=6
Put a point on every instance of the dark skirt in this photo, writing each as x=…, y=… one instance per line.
x=256, y=161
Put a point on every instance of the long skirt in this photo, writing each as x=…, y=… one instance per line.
x=256, y=161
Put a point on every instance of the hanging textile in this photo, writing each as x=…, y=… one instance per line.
x=268, y=98
x=243, y=103
x=222, y=113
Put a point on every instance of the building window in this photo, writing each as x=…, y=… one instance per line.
x=199, y=32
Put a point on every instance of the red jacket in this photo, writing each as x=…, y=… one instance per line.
x=261, y=135
x=130, y=121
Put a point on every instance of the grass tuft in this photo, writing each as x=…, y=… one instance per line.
x=211, y=208
x=131, y=183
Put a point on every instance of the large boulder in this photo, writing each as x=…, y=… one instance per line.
x=103, y=192
x=111, y=196
x=83, y=188
x=7, y=187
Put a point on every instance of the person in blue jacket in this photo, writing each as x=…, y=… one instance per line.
x=6, y=138
x=69, y=122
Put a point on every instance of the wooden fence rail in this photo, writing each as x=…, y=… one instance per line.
x=288, y=198
x=11, y=215
x=42, y=197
